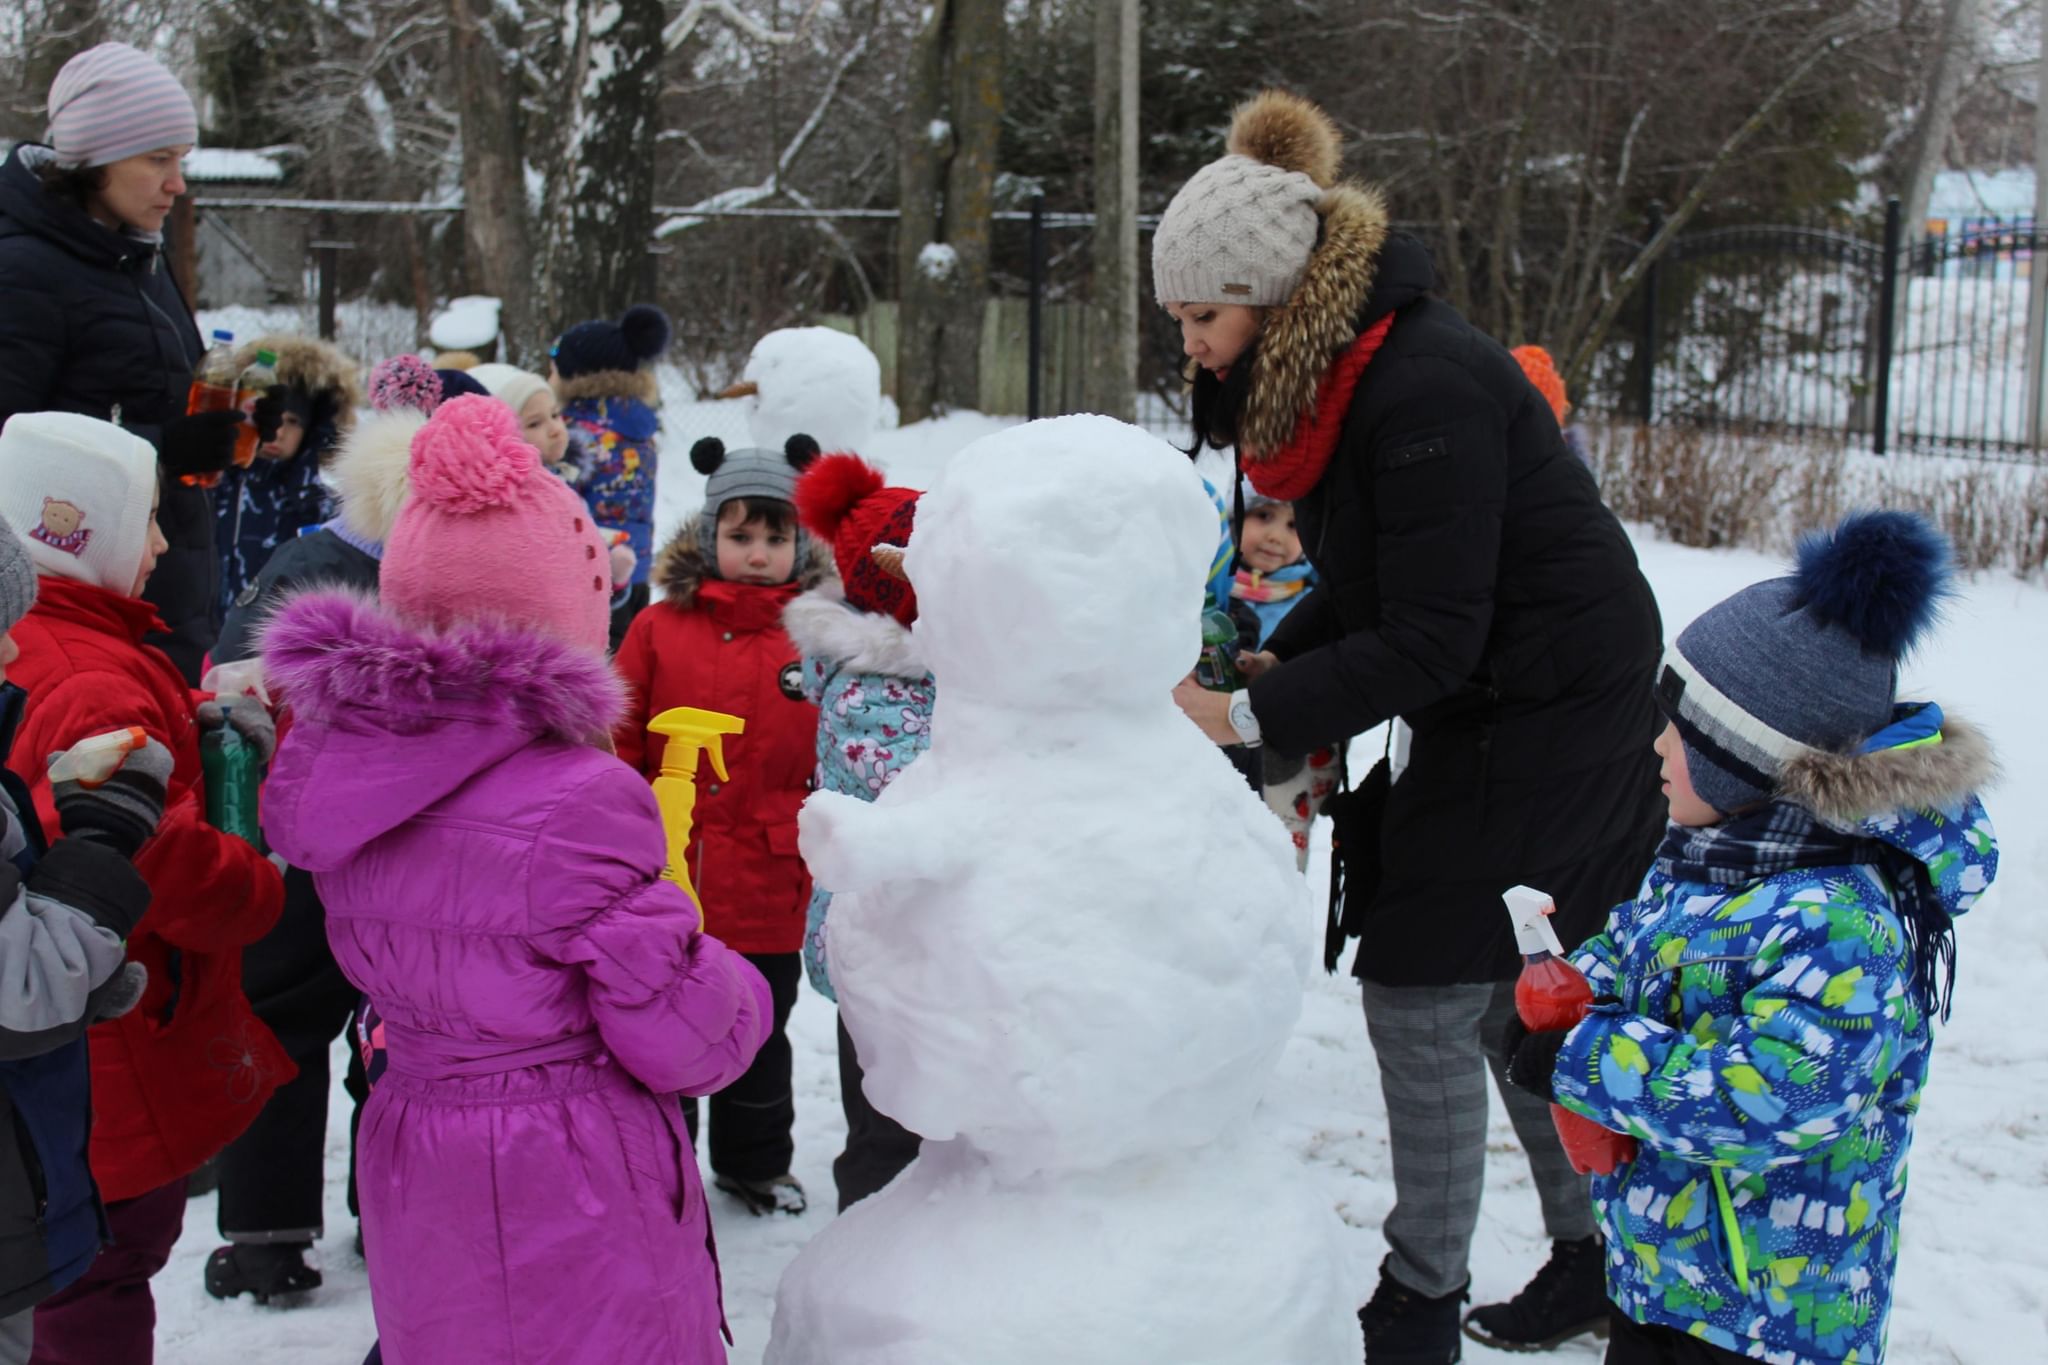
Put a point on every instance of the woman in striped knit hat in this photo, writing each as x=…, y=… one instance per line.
x=94, y=323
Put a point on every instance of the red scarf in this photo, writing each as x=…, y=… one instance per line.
x=1296, y=467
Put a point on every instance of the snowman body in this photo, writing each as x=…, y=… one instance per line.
x=1070, y=944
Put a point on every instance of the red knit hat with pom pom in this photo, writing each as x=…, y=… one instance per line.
x=488, y=534
x=845, y=502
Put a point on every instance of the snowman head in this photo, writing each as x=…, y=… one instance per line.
x=814, y=380
x=1060, y=565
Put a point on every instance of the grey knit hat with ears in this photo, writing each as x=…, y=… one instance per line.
x=17, y=579
x=1243, y=228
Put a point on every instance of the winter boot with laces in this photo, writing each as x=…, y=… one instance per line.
x=265, y=1269
x=1403, y=1327
x=1567, y=1298
x=777, y=1194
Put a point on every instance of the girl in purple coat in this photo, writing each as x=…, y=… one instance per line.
x=492, y=876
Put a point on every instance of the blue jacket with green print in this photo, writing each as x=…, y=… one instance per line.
x=1764, y=1048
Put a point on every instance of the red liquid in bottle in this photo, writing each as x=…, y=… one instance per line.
x=1553, y=994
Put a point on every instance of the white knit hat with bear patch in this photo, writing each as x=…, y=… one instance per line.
x=78, y=493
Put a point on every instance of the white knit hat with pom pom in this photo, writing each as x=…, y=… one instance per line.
x=1243, y=228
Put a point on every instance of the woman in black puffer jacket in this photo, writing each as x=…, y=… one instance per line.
x=1471, y=583
x=91, y=320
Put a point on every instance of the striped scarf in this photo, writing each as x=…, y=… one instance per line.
x=1783, y=837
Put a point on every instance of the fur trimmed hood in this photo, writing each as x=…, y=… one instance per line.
x=335, y=653
x=1301, y=339
x=392, y=718
x=313, y=367
x=372, y=471
x=1845, y=790
x=680, y=568
x=825, y=627
x=638, y=384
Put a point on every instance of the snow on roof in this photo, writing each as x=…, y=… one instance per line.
x=466, y=323
x=1983, y=194
x=210, y=165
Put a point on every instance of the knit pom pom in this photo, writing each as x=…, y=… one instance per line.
x=1881, y=576
x=831, y=488
x=1542, y=371
x=1287, y=131
x=405, y=381
x=800, y=450
x=645, y=328
x=470, y=457
x=707, y=455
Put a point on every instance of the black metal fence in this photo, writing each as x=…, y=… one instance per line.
x=1878, y=337
x=1893, y=342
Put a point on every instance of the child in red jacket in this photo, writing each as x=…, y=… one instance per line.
x=716, y=642
x=178, y=1077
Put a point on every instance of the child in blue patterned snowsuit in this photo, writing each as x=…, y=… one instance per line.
x=603, y=373
x=874, y=699
x=1764, y=1006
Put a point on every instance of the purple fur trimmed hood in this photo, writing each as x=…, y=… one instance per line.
x=389, y=717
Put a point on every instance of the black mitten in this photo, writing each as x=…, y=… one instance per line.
x=199, y=443
x=1532, y=1057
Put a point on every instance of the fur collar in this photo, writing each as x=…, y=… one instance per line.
x=1303, y=337
x=1846, y=789
x=680, y=568
x=638, y=384
x=824, y=627
x=335, y=653
x=372, y=471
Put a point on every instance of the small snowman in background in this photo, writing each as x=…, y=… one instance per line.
x=824, y=383
x=1071, y=945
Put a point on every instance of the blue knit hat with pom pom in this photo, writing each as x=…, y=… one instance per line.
x=638, y=337
x=1809, y=662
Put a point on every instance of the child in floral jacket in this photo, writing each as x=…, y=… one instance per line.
x=1765, y=1004
x=602, y=373
x=874, y=699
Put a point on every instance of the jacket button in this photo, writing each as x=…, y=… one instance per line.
x=727, y=636
x=712, y=789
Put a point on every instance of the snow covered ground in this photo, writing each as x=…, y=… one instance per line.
x=1973, y=1286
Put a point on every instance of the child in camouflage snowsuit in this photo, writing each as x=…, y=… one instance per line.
x=1764, y=1006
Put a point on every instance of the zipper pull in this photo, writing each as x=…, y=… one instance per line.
x=115, y=416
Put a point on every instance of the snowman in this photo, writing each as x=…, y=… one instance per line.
x=815, y=380
x=1071, y=945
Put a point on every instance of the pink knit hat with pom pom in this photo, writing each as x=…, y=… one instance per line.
x=488, y=534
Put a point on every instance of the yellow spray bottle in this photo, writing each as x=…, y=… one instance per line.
x=687, y=732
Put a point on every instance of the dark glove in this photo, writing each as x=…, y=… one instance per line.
x=122, y=812
x=199, y=442
x=118, y=994
x=249, y=719
x=270, y=411
x=1531, y=1057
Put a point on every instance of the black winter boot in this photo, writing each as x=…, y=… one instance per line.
x=779, y=1194
x=265, y=1269
x=1568, y=1298
x=1403, y=1327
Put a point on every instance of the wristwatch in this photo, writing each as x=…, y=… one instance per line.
x=1243, y=721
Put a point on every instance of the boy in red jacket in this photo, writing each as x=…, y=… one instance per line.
x=177, y=1078
x=716, y=642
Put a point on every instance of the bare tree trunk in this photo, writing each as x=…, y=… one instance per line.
x=494, y=228
x=422, y=288
x=599, y=218
x=927, y=145
x=1110, y=382
x=1954, y=60
x=952, y=121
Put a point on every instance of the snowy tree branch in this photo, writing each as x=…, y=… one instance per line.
x=684, y=24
